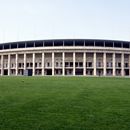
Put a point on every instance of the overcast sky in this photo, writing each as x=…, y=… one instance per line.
x=22, y=20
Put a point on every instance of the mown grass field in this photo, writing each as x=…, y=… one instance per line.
x=64, y=103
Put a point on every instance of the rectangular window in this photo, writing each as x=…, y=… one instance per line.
x=40, y=64
x=89, y=64
x=76, y=64
x=66, y=64
x=31, y=64
x=80, y=64
x=126, y=65
x=71, y=64
x=35, y=64
x=48, y=64
x=57, y=64
x=27, y=64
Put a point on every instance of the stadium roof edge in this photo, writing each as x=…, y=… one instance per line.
x=64, y=40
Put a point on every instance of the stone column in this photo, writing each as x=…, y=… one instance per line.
x=73, y=63
x=8, y=64
x=104, y=63
x=16, y=64
x=33, y=64
x=43, y=64
x=94, y=63
x=84, y=63
x=63, y=63
x=122, y=64
x=114, y=62
x=2, y=68
x=53, y=64
x=129, y=64
x=24, y=61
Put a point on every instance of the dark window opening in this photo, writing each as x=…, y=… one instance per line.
x=79, y=43
x=117, y=44
x=118, y=64
x=126, y=72
x=48, y=43
x=6, y=46
x=76, y=64
x=39, y=44
x=48, y=64
x=30, y=44
x=56, y=71
x=35, y=64
x=99, y=43
x=57, y=64
x=66, y=64
x=31, y=64
x=80, y=64
x=79, y=71
x=40, y=64
x=108, y=44
x=13, y=46
x=71, y=64
x=125, y=45
x=126, y=65
x=19, y=65
x=27, y=64
x=89, y=64
x=58, y=43
x=1, y=47
x=5, y=72
x=68, y=43
x=29, y=72
x=21, y=45
x=89, y=43
x=49, y=72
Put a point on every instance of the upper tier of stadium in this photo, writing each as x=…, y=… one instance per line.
x=65, y=42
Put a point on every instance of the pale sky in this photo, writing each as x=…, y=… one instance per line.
x=22, y=20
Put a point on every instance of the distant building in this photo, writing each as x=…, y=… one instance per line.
x=65, y=57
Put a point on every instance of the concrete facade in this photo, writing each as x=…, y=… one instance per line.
x=65, y=57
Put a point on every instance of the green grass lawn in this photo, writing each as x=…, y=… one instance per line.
x=64, y=103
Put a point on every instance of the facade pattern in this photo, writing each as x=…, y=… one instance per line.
x=65, y=58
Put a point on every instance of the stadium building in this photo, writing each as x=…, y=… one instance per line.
x=85, y=57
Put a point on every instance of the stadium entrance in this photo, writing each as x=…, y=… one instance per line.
x=28, y=72
x=48, y=72
x=5, y=72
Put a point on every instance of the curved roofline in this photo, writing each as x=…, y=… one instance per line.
x=109, y=40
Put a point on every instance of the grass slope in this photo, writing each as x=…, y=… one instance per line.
x=64, y=103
